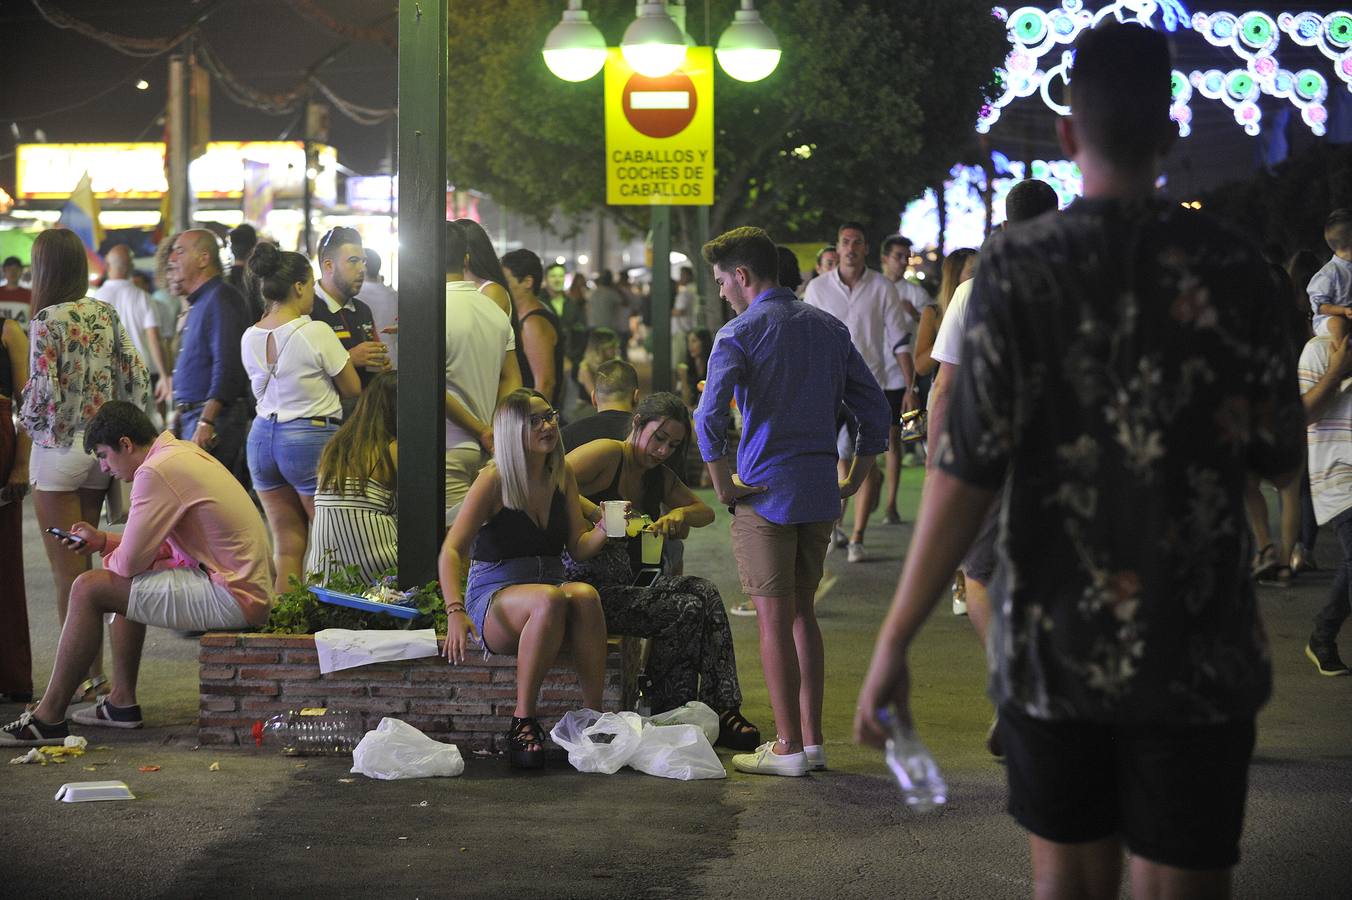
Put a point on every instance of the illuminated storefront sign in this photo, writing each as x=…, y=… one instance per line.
x=136, y=171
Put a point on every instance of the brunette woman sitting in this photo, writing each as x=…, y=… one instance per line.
x=692, y=656
x=519, y=515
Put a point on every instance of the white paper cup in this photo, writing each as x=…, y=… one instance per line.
x=652, y=548
x=613, y=511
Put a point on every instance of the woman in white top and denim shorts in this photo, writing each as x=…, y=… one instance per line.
x=294, y=365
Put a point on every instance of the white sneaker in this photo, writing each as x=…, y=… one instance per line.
x=856, y=551
x=764, y=761
x=959, y=607
x=838, y=538
x=816, y=757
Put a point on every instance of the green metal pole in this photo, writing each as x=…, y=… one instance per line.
x=661, y=272
x=709, y=314
x=422, y=286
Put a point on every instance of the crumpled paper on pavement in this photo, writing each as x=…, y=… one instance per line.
x=342, y=648
x=73, y=745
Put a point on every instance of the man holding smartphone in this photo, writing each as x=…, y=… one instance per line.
x=193, y=557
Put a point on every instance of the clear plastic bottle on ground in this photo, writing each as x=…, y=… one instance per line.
x=312, y=732
x=916, y=772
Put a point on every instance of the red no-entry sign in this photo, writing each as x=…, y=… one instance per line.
x=660, y=107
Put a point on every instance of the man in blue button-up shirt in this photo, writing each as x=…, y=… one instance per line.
x=210, y=387
x=790, y=367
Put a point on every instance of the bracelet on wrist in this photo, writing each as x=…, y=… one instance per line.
x=211, y=425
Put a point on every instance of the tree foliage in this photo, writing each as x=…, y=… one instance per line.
x=883, y=95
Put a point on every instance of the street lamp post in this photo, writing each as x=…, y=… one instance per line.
x=654, y=45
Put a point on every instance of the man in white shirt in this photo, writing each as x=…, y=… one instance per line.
x=481, y=369
x=1324, y=365
x=896, y=257
x=139, y=317
x=869, y=306
x=384, y=303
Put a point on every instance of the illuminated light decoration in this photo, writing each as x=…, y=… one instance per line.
x=1180, y=110
x=1254, y=37
x=966, y=209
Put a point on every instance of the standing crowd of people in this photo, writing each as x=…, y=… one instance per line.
x=1106, y=387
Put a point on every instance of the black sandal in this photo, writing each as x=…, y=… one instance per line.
x=526, y=743
x=733, y=731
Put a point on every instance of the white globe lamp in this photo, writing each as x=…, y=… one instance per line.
x=748, y=50
x=653, y=44
x=575, y=50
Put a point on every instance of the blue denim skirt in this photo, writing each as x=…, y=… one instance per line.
x=487, y=578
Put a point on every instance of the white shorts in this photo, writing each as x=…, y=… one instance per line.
x=69, y=469
x=185, y=600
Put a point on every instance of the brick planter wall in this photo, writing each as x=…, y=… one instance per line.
x=248, y=677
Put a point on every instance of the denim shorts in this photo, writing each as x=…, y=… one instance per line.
x=487, y=578
x=283, y=454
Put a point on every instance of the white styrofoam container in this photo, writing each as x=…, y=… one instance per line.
x=83, y=791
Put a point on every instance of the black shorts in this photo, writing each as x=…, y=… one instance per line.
x=979, y=563
x=894, y=399
x=1174, y=794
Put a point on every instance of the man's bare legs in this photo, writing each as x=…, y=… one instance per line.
x=777, y=617
x=1087, y=871
x=807, y=641
x=94, y=593
x=1093, y=870
x=893, y=473
x=978, y=608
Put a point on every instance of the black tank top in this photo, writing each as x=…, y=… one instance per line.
x=527, y=376
x=512, y=533
x=654, y=489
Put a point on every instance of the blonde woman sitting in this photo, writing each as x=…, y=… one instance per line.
x=519, y=515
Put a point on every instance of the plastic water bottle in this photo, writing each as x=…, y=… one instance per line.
x=916, y=771
x=312, y=732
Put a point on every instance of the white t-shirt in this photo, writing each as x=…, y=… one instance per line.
x=136, y=312
x=1330, y=438
x=308, y=356
x=872, y=312
x=948, y=342
x=478, y=339
x=916, y=296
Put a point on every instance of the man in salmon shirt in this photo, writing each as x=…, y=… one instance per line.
x=193, y=557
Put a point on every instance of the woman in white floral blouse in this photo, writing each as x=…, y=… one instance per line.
x=80, y=356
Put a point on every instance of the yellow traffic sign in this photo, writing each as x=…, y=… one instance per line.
x=660, y=133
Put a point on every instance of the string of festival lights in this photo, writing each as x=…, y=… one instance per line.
x=1254, y=37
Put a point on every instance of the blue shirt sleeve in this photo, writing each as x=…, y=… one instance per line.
x=867, y=403
x=226, y=328
x=727, y=361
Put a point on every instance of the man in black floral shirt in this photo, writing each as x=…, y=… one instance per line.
x=1125, y=369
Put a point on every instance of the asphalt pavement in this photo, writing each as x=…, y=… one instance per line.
x=243, y=822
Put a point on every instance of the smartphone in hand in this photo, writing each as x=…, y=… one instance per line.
x=62, y=534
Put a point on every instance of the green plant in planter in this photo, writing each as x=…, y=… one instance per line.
x=298, y=611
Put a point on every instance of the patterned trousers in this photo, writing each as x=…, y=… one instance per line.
x=692, y=656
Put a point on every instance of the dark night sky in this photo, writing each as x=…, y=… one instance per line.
x=266, y=43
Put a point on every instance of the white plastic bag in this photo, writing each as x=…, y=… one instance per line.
x=598, y=742
x=693, y=713
x=398, y=750
x=682, y=752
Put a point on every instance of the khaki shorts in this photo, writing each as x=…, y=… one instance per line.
x=462, y=467
x=780, y=561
